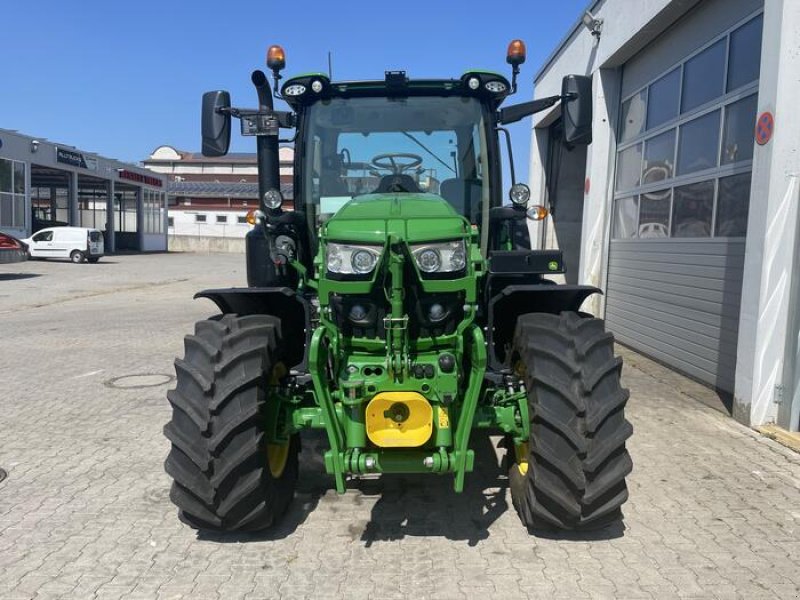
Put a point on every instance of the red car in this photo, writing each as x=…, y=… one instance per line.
x=12, y=250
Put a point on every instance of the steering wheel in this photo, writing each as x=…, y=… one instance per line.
x=389, y=161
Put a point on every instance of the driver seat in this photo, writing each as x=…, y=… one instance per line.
x=464, y=195
x=397, y=183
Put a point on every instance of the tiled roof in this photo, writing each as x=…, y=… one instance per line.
x=213, y=189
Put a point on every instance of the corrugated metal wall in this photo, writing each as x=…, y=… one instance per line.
x=678, y=301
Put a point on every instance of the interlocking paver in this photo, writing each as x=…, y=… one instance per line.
x=714, y=510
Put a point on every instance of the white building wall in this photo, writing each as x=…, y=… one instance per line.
x=185, y=224
x=772, y=225
x=628, y=28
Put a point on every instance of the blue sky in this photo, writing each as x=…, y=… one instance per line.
x=120, y=78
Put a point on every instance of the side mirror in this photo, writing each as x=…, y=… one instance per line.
x=576, y=109
x=216, y=124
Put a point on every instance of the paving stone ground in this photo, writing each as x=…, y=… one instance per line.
x=714, y=508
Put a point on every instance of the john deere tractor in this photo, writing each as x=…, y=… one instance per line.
x=398, y=307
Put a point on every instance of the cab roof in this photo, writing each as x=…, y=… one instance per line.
x=305, y=89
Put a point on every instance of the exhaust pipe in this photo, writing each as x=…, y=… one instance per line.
x=267, y=145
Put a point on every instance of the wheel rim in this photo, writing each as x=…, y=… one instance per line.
x=277, y=454
x=521, y=454
x=277, y=457
x=521, y=451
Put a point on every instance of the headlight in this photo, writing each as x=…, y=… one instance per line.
x=446, y=257
x=348, y=259
x=296, y=89
x=519, y=194
x=496, y=87
x=273, y=199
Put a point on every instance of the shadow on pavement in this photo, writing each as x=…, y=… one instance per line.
x=15, y=276
x=409, y=505
x=611, y=531
x=427, y=505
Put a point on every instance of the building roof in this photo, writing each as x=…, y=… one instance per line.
x=169, y=154
x=214, y=189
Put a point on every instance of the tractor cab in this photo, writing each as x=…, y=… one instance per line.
x=397, y=136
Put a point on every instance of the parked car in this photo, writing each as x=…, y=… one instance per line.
x=76, y=243
x=12, y=250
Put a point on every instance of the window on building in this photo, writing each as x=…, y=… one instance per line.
x=92, y=202
x=12, y=193
x=685, y=149
x=664, y=96
x=154, y=206
x=200, y=218
x=699, y=142
x=626, y=217
x=659, y=158
x=654, y=218
x=125, y=208
x=733, y=201
x=170, y=221
x=703, y=77
x=744, y=61
x=629, y=168
x=222, y=218
x=737, y=133
x=633, y=116
x=241, y=219
x=693, y=209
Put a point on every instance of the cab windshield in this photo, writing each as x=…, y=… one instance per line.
x=410, y=145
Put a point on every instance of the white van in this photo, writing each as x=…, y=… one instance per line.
x=75, y=243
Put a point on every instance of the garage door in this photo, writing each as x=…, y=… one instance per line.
x=682, y=192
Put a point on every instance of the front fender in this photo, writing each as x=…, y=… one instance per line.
x=293, y=310
x=510, y=302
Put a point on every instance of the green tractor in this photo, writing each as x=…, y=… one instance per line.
x=399, y=308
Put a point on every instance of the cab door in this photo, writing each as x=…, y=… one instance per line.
x=42, y=245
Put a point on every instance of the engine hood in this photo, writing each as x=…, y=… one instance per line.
x=373, y=218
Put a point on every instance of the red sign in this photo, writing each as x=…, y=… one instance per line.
x=133, y=176
x=765, y=127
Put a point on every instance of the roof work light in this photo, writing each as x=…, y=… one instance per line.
x=276, y=58
x=515, y=55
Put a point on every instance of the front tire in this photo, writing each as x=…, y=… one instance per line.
x=226, y=476
x=573, y=476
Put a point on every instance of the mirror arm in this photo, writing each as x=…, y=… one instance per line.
x=285, y=118
x=510, y=153
x=516, y=112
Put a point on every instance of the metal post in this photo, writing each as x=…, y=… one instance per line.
x=72, y=201
x=110, y=241
x=140, y=218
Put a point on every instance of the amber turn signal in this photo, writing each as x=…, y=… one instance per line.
x=537, y=213
x=516, y=53
x=276, y=58
x=251, y=216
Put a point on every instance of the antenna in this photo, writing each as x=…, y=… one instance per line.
x=330, y=66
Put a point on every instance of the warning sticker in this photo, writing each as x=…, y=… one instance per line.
x=444, y=419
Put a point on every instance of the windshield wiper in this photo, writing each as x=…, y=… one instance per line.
x=424, y=147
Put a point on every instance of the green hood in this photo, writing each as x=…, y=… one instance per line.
x=372, y=218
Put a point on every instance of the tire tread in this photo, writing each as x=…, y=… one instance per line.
x=218, y=459
x=578, y=461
